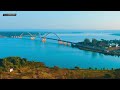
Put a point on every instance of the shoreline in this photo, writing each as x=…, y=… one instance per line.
x=25, y=69
x=73, y=68
x=105, y=52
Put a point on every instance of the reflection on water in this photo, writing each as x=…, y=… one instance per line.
x=101, y=55
x=94, y=54
x=86, y=52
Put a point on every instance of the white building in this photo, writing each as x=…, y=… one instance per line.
x=114, y=45
x=110, y=46
x=11, y=69
x=117, y=45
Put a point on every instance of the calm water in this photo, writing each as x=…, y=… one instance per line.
x=51, y=53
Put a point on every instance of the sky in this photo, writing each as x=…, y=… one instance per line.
x=68, y=20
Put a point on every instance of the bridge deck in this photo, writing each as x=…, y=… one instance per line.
x=29, y=34
x=60, y=40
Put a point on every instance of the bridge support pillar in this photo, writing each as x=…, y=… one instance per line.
x=20, y=36
x=43, y=39
x=69, y=44
x=65, y=43
x=60, y=42
x=32, y=38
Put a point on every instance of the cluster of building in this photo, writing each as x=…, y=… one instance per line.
x=113, y=45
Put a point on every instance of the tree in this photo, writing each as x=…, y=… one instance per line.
x=103, y=68
x=102, y=39
x=94, y=41
x=86, y=41
x=12, y=62
x=77, y=67
x=112, y=68
x=56, y=67
x=90, y=68
x=102, y=44
x=95, y=68
x=7, y=64
x=23, y=62
x=117, y=73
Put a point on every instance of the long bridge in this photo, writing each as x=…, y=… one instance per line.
x=60, y=41
x=43, y=37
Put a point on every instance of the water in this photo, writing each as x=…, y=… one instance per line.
x=53, y=54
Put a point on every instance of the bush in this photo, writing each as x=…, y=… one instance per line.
x=56, y=67
x=117, y=73
x=1, y=69
x=77, y=67
x=103, y=68
x=96, y=69
x=90, y=68
x=112, y=68
x=12, y=62
x=86, y=41
x=107, y=76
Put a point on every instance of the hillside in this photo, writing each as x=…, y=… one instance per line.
x=24, y=69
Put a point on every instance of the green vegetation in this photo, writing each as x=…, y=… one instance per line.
x=107, y=47
x=23, y=69
x=116, y=34
x=86, y=41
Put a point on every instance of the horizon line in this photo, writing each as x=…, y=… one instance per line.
x=53, y=29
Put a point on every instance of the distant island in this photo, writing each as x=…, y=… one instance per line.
x=116, y=34
x=107, y=47
x=21, y=68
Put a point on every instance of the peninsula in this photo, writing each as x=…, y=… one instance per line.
x=107, y=47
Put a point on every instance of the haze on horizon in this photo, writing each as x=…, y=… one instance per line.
x=69, y=20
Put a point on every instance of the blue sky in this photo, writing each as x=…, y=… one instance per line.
x=81, y=20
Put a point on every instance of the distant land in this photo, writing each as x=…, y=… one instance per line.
x=117, y=34
x=61, y=30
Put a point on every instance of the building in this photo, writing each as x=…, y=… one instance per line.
x=117, y=45
x=11, y=69
x=113, y=45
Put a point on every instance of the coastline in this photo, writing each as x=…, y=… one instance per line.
x=24, y=69
x=97, y=49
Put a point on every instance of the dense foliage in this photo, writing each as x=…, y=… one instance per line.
x=106, y=47
x=16, y=63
